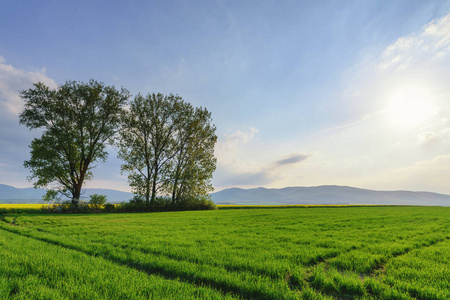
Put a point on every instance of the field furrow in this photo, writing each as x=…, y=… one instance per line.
x=32, y=268
x=182, y=271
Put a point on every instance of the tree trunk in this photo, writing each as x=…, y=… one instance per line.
x=76, y=195
x=155, y=178
x=147, y=188
x=174, y=190
x=77, y=191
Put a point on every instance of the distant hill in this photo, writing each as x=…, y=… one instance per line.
x=10, y=194
x=327, y=194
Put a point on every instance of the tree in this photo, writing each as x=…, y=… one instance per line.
x=194, y=162
x=146, y=140
x=167, y=147
x=78, y=121
x=96, y=201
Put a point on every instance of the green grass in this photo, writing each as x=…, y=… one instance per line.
x=314, y=253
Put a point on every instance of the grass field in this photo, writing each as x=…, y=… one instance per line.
x=296, y=253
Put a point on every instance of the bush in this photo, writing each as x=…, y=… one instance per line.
x=67, y=207
x=97, y=201
x=162, y=203
x=195, y=203
x=109, y=207
x=136, y=204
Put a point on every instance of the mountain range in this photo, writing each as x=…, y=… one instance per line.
x=325, y=194
x=10, y=194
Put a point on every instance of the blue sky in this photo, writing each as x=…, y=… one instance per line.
x=302, y=93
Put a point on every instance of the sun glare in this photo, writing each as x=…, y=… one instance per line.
x=411, y=107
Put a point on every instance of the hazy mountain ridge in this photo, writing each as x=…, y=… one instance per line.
x=10, y=194
x=327, y=194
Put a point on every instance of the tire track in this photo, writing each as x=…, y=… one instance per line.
x=224, y=287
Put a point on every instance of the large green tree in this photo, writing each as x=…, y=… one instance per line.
x=193, y=164
x=167, y=147
x=77, y=121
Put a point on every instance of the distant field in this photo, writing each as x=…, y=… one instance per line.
x=315, y=253
x=22, y=206
x=19, y=207
x=250, y=206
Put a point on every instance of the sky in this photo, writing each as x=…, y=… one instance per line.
x=303, y=93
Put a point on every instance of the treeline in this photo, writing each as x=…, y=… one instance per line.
x=166, y=144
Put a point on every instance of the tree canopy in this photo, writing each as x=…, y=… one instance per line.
x=168, y=148
x=77, y=121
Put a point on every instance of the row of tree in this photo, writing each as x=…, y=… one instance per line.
x=166, y=144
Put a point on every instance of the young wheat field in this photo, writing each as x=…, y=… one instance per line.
x=295, y=253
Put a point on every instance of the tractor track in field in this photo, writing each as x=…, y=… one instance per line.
x=229, y=268
x=376, y=272
x=295, y=283
x=380, y=269
x=225, y=288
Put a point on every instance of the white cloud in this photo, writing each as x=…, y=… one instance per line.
x=431, y=43
x=241, y=136
x=232, y=158
x=245, y=161
x=228, y=149
x=12, y=80
x=427, y=138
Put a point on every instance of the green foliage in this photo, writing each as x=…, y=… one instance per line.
x=161, y=203
x=136, y=204
x=167, y=147
x=66, y=207
x=229, y=254
x=108, y=207
x=194, y=203
x=78, y=120
x=50, y=196
x=97, y=201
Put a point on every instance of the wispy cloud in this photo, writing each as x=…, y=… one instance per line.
x=241, y=136
x=241, y=163
x=14, y=138
x=229, y=147
x=431, y=43
x=234, y=168
x=428, y=138
x=12, y=80
x=249, y=179
x=296, y=158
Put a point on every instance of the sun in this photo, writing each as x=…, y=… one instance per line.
x=411, y=107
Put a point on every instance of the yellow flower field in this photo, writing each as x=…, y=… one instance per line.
x=39, y=206
x=286, y=206
x=22, y=206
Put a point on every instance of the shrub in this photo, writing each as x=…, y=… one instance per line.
x=67, y=207
x=96, y=201
x=109, y=207
x=195, y=203
x=164, y=203
x=137, y=203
